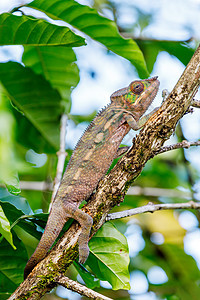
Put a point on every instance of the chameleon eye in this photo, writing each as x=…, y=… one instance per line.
x=137, y=87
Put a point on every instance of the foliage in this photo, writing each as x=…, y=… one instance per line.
x=34, y=93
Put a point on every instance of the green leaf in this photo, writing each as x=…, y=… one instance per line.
x=19, y=202
x=13, y=185
x=23, y=30
x=89, y=279
x=12, y=263
x=15, y=209
x=151, y=49
x=14, y=214
x=5, y=228
x=23, y=125
x=181, y=50
x=109, y=258
x=35, y=98
x=8, y=173
x=57, y=65
x=103, y=30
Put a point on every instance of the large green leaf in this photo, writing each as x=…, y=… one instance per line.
x=109, y=257
x=8, y=167
x=97, y=27
x=151, y=49
x=5, y=228
x=12, y=263
x=23, y=30
x=57, y=65
x=35, y=98
x=34, y=139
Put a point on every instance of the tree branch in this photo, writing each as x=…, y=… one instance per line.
x=183, y=144
x=151, y=207
x=79, y=288
x=112, y=188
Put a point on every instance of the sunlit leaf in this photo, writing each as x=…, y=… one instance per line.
x=103, y=30
x=35, y=98
x=8, y=173
x=109, y=257
x=13, y=185
x=57, y=65
x=12, y=263
x=23, y=30
x=151, y=49
x=5, y=228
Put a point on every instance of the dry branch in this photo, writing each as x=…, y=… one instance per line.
x=112, y=188
x=151, y=207
x=79, y=288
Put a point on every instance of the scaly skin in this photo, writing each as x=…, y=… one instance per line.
x=90, y=161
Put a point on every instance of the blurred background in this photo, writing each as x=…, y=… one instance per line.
x=164, y=246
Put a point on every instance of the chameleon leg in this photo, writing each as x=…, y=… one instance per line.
x=135, y=125
x=86, y=222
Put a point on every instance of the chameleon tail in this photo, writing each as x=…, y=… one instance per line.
x=52, y=230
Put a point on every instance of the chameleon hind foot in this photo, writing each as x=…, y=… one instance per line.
x=86, y=222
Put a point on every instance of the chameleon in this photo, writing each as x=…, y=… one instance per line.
x=90, y=161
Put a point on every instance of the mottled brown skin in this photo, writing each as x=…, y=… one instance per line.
x=91, y=159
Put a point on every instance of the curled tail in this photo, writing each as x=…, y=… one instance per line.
x=54, y=226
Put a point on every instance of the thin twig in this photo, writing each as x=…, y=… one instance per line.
x=150, y=207
x=61, y=157
x=79, y=288
x=183, y=144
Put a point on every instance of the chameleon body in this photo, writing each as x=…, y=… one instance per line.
x=91, y=159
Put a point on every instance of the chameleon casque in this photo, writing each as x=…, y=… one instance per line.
x=91, y=159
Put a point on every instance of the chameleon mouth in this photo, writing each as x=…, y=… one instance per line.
x=153, y=78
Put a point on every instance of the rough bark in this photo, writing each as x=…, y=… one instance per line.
x=112, y=188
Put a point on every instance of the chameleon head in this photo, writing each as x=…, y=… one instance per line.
x=139, y=94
